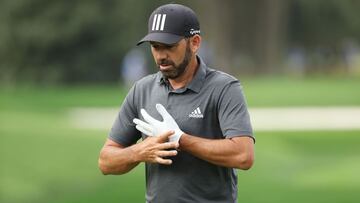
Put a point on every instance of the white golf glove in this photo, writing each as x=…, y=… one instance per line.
x=153, y=127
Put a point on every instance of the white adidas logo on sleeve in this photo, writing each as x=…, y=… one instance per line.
x=196, y=113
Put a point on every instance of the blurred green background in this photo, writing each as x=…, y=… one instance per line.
x=59, y=55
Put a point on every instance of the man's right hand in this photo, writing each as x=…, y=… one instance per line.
x=154, y=149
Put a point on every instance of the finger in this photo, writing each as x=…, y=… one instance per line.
x=148, y=118
x=167, y=145
x=143, y=124
x=165, y=153
x=162, y=111
x=163, y=161
x=143, y=130
x=164, y=137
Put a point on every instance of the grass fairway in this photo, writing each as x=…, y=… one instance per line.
x=43, y=159
x=281, y=92
x=267, y=92
x=303, y=167
x=58, y=164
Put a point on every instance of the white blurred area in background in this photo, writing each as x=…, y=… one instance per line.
x=263, y=119
x=134, y=66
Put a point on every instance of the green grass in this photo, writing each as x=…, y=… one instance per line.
x=44, y=159
x=302, y=92
x=303, y=167
x=59, y=164
x=259, y=92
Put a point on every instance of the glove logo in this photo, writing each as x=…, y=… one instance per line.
x=196, y=113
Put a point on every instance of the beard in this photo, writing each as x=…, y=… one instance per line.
x=176, y=70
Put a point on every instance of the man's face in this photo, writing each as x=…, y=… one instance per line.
x=172, y=60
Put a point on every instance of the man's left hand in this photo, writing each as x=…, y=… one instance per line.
x=153, y=127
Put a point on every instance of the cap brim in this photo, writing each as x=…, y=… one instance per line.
x=165, y=38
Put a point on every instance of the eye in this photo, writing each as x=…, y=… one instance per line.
x=169, y=46
x=164, y=46
x=155, y=46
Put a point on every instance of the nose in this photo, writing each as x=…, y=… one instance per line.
x=159, y=54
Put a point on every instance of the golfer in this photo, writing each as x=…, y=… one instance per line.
x=193, y=120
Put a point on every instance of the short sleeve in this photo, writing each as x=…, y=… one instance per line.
x=123, y=130
x=233, y=114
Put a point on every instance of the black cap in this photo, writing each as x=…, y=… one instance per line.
x=169, y=23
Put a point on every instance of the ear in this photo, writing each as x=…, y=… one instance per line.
x=195, y=43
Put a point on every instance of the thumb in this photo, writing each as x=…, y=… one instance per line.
x=148, y=118
x=162, y=111
x=164, y=137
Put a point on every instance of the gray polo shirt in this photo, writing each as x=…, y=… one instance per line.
x=211, y=106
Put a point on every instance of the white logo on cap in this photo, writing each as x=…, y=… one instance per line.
x=156, y=22
x=193, y=32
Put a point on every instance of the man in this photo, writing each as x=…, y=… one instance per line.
x=193, y=120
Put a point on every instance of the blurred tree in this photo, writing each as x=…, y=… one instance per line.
x=254, y=36
x=323, y=22
x=67, y=41
x=248, y=35
x=50, y=41
x=324, y=28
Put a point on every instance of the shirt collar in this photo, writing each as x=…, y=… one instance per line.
x=197, y=81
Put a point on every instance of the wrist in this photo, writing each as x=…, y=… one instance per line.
x=182, y=141
x=134, y=154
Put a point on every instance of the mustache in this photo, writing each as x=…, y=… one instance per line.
x=165, y=62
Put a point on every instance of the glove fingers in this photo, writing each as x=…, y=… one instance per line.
x=148, y=118
x=175, y=138
x=143, y=124
x=143, y=130
x=162, y=111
